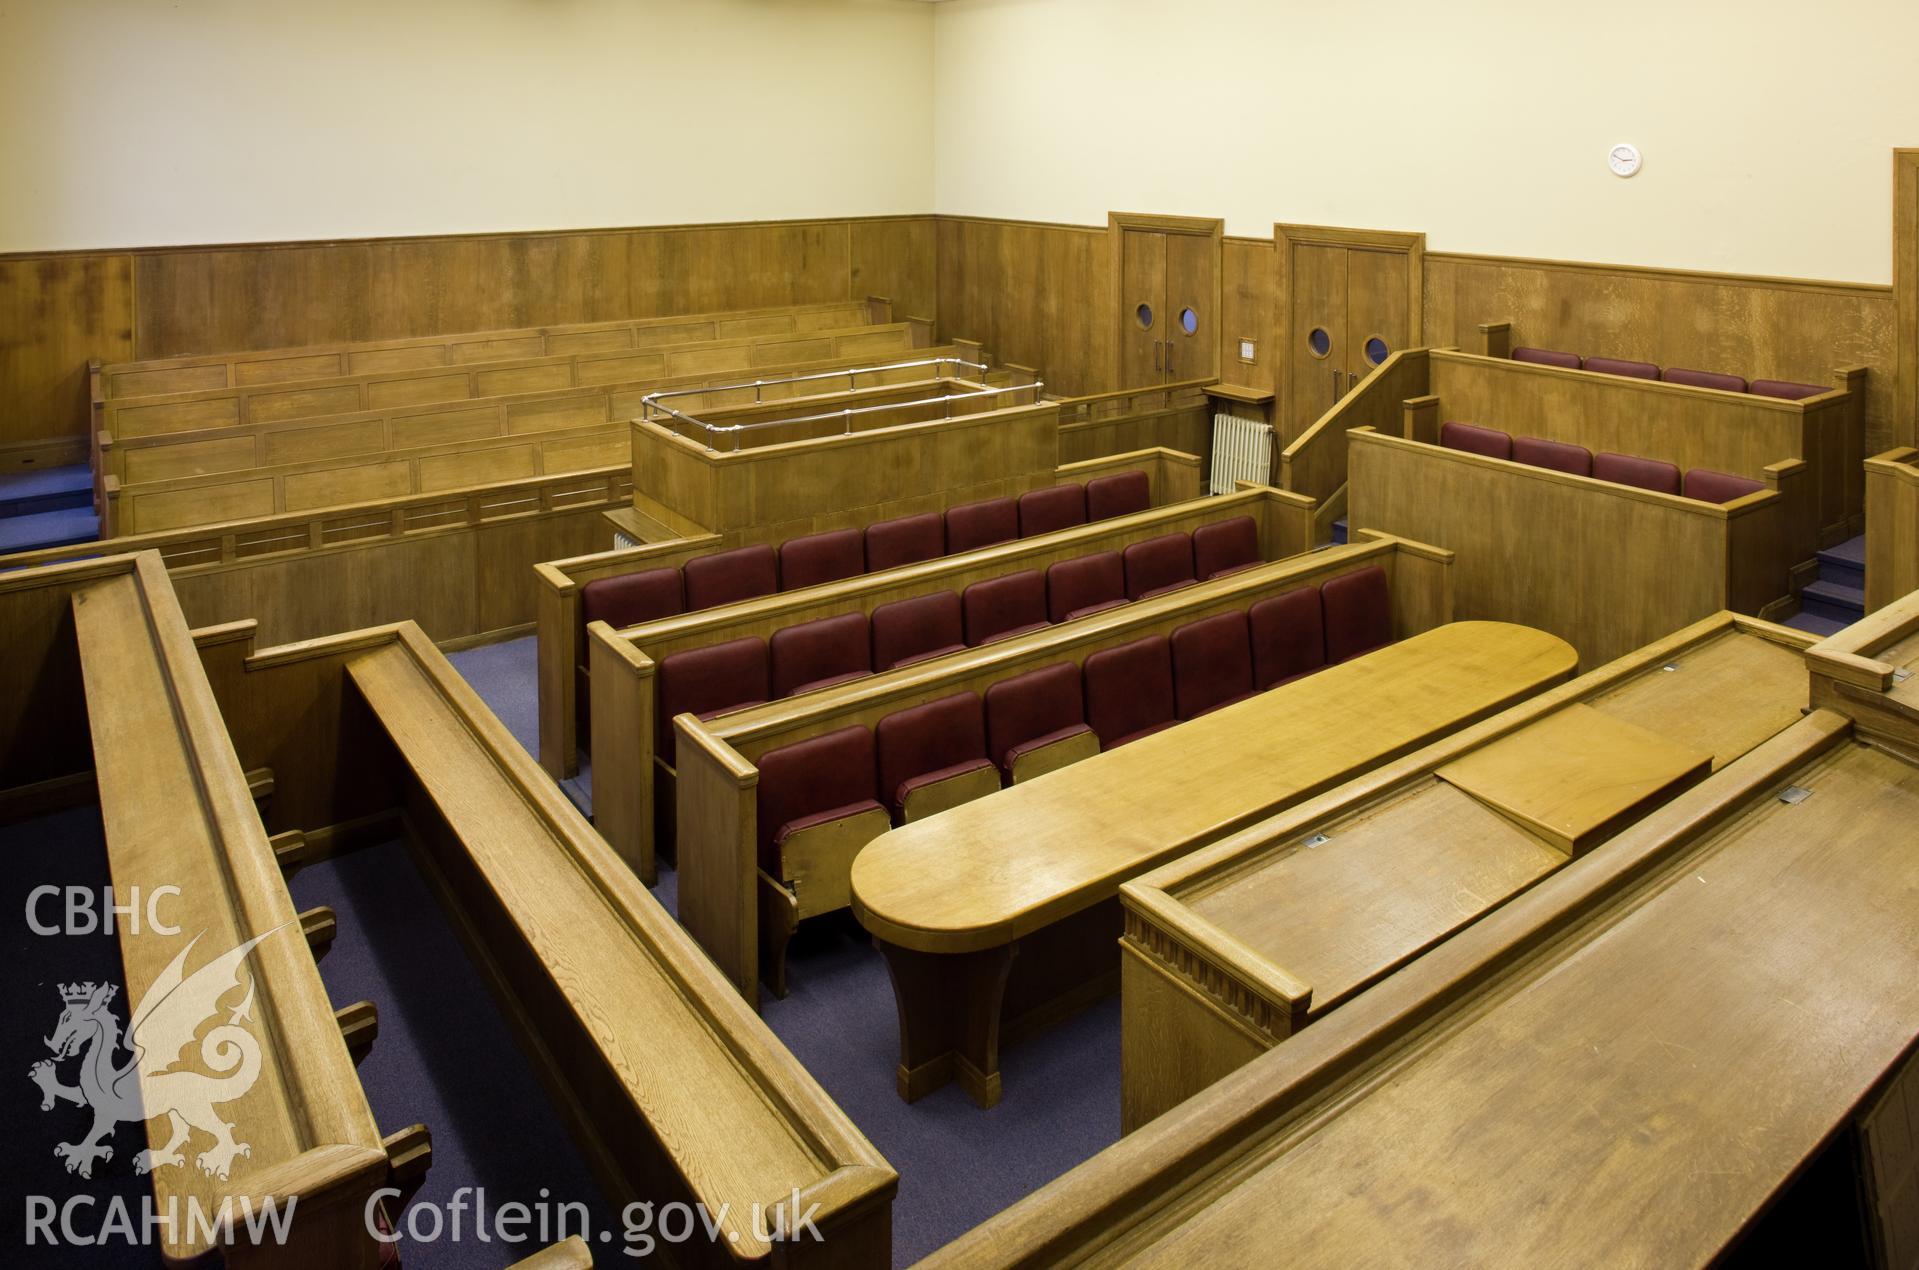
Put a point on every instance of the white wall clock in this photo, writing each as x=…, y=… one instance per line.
x=1623, y=159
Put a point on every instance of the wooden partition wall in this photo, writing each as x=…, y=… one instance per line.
x=1546, y=549
x=1739, y=433
x=113, y=704
x=774, y=491
x=378, y=737
x=1892, y=526
x=1735, y=433
x=455, y=562
x=1177, y=416
x=1172, y=478
x=1870, y=671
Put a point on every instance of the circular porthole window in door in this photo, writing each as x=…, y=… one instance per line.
x=1319, y=342
x=1377, y=351
x=1189, y=321
x=1144, y=314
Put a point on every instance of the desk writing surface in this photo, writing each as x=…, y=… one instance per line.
x=988, y=872
x=1576, y=775
x=1724, y=696
x=1391, y=879
x=1638, y=1096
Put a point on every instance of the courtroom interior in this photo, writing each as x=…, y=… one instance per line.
x=984, y=634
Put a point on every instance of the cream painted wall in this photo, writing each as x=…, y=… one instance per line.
x=1767, y=125
x=130, y=123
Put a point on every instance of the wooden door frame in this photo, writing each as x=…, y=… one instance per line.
x=1286, y=237
x=1117, y=223
x=1905, y=294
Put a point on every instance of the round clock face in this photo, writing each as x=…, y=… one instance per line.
x=1623, y=159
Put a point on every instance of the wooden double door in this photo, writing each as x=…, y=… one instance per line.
x=1349, y=300
x=1168, y=269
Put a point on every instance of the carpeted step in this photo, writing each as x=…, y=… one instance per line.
x=1339, y=532
x=46, y=489
x=60, y=528
x=1834, y=600
x=1845, y=563
x=1813, y=624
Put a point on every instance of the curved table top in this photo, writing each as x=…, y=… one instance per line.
x=986, y=873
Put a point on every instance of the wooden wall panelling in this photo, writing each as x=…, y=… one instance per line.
x=1761, y=328
x=56, y=312
x=1247, y=291
x=252, y=368
x=1900, y=425
x=898, y=258
x=43, y=709
x=1039, y=295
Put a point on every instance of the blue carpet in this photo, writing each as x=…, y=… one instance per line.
x=444, y=1056
x=507, y=675
x=958, y=1165
x=40, y=530
x=64, y=849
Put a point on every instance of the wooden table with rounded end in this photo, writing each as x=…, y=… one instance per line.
x=1032, y=873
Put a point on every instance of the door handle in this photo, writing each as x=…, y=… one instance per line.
x=1335, y=385
x=1352, y=380
x=1156, y=356
x=1169, y=358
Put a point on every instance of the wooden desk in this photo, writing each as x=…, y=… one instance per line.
x=1623, y=1066
x=1576, y=776
x=1037, y=867
x=1230, y=950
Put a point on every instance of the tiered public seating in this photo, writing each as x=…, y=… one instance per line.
x=170, y=377
x=630, y=586
x=742, y=913
x=266, y=1107
x=726, y=658
x=1541, y=544
x=170, y=463
x=1691, y=427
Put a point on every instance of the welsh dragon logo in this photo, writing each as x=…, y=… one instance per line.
x=145, y=1087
